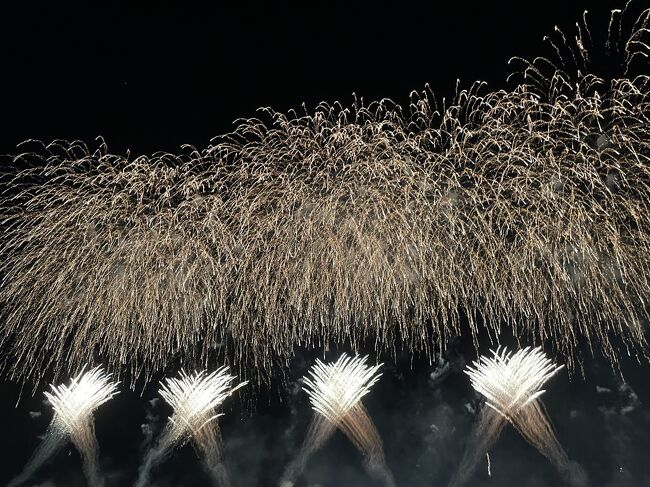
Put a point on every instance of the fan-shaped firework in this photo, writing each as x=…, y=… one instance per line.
x=527, y=207
x=335, y=391
x=195, y=399
x=511, y=384
x=74, y=406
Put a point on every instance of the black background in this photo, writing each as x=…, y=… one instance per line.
x=150, y=76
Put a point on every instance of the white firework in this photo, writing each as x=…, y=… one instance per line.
x=334, y=389
x=195, y=398
x=75, y=403
x=512, y=385
x=509, y=381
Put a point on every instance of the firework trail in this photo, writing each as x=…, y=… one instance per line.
x=526, y=207
x=194, y=398
x=73, y=420
x=335, y=391
x=511, y=384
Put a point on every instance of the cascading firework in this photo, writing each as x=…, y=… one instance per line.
x=335, y=391
x=526, y=207
x=511, y=384
x=73, y=420
x=194, y=398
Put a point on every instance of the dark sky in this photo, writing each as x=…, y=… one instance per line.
x=160, y=74
x=156, y=75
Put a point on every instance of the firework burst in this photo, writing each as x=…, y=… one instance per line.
x=511, y=384
x=527, y=206
x=509, y=381
x=194, y=399
x=74, y=405
x=335, y=391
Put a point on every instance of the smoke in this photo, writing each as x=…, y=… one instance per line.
x=207, y=444
x=485, y=432
x=85, y=441
x=359, y=428
x=533, y=424
x=154, y=457
x=320, y=430
x=52, y=442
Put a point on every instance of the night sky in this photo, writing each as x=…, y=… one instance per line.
x=158, y=75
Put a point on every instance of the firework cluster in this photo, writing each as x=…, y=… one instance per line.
x=526, y=208
x=74, y=404
x=511, y=384
x=195, y=398
x=335, y=389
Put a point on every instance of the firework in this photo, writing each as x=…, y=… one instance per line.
x=511, y=384
x=74, y=406
x=194, y=399
x=335, y=391
x=527, y=207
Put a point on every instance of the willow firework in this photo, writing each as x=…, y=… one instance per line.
x=74, y=406
x=195, y=399
x=526, y=206
x=335, y=391
x=511, y=384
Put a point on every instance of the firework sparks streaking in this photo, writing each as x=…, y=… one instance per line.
x=335, y=391
x=526, y=207
x=512, y=385
x=74, y=405
x=195, y=399
x=510, y=381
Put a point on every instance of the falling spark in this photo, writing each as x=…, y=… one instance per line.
x=74, y=406
x=335, y=391
x=195, y=399
x=524, y=205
